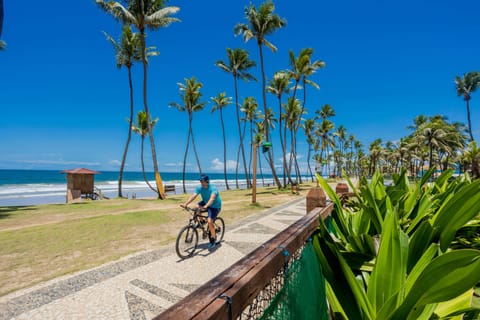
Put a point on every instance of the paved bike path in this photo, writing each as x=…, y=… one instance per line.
x=143, y=285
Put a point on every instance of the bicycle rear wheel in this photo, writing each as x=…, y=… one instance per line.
x=219, y=229
x=187, y=241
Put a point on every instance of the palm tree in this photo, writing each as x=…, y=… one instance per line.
x=292, y=113
x=250, y=109
x=375, y=150
x=309, y=129
x=261, y=23
x=142, y=129
x=278, y=86
x=238, y=65
x=465, y=86
x=258, y=140
x=324, y=130
x=472, y=157
x=325, y=112
x=302, y=68
x=326, y=141
x=190, y=95
x=144, y=14
x=220, y=102
x=127, y=51
x=341, y=134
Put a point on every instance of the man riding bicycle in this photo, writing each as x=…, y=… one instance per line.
x=211, y=202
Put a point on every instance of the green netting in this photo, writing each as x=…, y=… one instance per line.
x=303, y=294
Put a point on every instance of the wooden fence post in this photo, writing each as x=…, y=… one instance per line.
x=316, y=198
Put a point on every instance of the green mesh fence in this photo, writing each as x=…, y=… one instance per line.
x=303, y=294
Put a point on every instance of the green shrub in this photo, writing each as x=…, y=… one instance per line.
x=395, y=253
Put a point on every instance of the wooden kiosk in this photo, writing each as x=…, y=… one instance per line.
x=80, y=182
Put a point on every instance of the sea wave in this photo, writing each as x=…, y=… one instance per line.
x=41, y=193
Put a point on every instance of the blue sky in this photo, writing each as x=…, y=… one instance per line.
x=64, y=103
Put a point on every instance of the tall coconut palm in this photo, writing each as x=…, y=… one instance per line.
x=324, y=130
x=375, y=150
x=262, y=22
x=127, y=50
x=472, y=158
x=309, y=129
x=258, y=140
x=279, y=85
x=151, y=15
x=325, y=112
x=341, y=135
x=292, y=113
x=302, y=68
x=250, y=109
x=465, y=86
x=238, y=65
x=326, y=141
x=142, y=129
x=190, y=95
x=220, y=102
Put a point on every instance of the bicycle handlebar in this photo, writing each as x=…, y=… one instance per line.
x=191, y=209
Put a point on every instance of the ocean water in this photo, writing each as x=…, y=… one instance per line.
x=32, y=187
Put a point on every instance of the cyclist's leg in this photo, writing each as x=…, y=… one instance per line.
x=201, y=204
x=212, y=215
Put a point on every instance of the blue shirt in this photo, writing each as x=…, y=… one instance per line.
x=206, y=193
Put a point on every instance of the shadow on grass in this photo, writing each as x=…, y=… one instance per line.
x=5, y=212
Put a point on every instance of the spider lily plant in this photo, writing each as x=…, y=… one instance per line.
x=393, y=251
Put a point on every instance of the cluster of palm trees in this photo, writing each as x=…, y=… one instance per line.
x=434, y=141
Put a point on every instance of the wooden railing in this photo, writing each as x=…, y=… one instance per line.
x=229, y=293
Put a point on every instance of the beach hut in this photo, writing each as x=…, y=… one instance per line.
x=80, y=182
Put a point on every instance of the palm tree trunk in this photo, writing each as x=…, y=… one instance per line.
x=130, y=124
x=469, y=121
x=308, y=163
x=236, y=168
x=158, y=179
x=285, y=163
x=237, y=109
x=1, y=17
x=267, y=129
x=224, y=151
x=282, y=144
x=143, y=167
x=194, y=146
x=185, y=160
x=251, y=149
x=261, y=170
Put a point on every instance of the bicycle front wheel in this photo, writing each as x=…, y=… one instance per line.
x=219, y=229
x=187, y=241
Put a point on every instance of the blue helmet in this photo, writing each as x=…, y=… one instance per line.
x=204, y=177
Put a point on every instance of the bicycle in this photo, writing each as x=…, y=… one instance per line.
x=187, y=239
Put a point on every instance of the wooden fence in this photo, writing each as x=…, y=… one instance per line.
x=227, y=295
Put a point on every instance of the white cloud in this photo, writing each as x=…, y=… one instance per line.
x=216, y=164
x=115, y=162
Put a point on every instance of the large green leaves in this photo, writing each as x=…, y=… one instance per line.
x=456, y=212
x=388, y=276
x=416, y=269
x=445, y=278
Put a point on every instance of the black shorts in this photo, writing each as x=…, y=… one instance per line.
x=212, y=212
